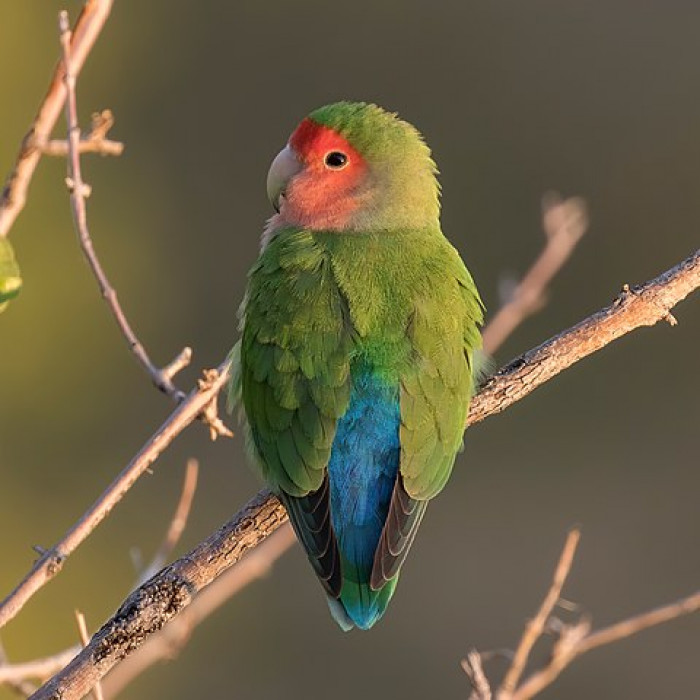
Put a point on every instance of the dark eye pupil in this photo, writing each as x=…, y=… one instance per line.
x=336, y=159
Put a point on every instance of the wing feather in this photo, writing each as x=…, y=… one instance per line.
x=295, y=384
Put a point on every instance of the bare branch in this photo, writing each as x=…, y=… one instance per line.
x=564, y=223
x=51, y=562
x=536, y=626
x=14, y=195
x=169, y=641
x=95, y=141
x=40, y=669
x=79, y=191
x=178, y=522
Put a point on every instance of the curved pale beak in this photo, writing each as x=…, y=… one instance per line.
x=284, y=167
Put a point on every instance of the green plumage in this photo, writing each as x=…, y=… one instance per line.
x=321, y=304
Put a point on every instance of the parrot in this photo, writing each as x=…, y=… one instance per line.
x=358, y=333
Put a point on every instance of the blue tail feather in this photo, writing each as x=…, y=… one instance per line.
x=363, y=468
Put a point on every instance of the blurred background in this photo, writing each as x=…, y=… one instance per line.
x=590, y=98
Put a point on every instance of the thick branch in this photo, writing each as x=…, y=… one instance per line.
x=51, y=562
x=169, y=641
x=14, y=195
x=157, y=601
x=150, y=607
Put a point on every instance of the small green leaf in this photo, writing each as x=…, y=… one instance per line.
x=10, y=280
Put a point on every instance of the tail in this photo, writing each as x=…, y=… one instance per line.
x=360, y=606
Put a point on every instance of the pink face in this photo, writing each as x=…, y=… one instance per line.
x=325, y=185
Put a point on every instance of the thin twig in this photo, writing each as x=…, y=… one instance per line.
x=168, y=642
x=564, y=223
x=95, y=141
x=473, y=667
x=41, y=669
x=85, y=640
x=14, y=195
x=177, y=524
x=536, y=626
x=79, y=191
x=626, y=628
x=51, y=562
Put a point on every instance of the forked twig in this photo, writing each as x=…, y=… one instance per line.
x=162, y=378
x=535, y=627
x=572, y=640
x=95, y=141
x=577, y=639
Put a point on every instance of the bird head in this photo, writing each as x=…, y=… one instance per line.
x=352, y=166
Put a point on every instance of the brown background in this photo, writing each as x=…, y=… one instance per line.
x=593, y=98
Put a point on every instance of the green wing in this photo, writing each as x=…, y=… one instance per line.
x=437, y=385
x=294, y=379
x=295, y=362
x=435, y=388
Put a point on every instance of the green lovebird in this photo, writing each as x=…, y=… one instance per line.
x=359, y=328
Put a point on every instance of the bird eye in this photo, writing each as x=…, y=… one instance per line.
x=335, y=160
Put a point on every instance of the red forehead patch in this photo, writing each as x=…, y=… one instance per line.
x=311, y=140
